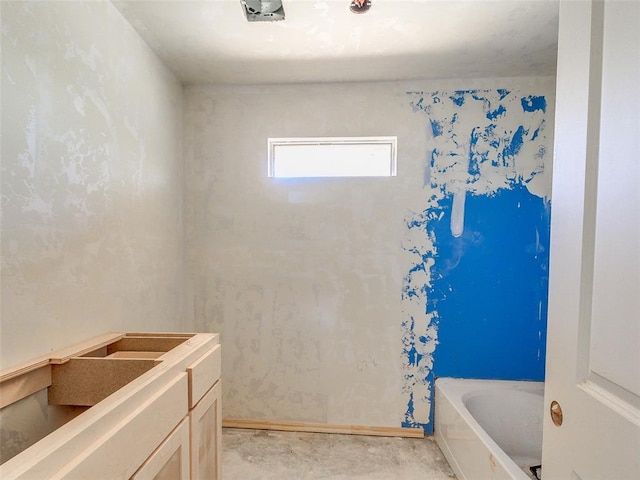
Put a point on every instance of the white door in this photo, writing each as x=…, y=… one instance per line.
x=593, y=367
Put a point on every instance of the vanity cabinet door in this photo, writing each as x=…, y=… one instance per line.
x=123, y=444
x=205, y=421
x=170, y=461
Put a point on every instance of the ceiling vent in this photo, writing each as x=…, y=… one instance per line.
x=263, y=10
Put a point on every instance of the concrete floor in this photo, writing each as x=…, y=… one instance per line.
x=264, y=455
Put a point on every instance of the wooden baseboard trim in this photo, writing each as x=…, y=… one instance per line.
x=323, y=428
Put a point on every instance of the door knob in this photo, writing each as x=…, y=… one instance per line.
x=556, y=413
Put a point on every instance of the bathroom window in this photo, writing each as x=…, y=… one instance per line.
x=332, y=157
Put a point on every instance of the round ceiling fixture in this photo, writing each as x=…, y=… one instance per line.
x=360, y=6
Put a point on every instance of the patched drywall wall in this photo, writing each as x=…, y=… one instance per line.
x=307, y=279
x=92, y=179
x=475, y=297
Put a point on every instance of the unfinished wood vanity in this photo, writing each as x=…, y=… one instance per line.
x=120, y=406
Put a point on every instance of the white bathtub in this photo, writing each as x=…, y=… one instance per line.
x=489, y=429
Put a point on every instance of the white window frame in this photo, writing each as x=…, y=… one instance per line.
x=273, y=144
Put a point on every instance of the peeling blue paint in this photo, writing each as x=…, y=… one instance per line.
x=503, y=93
x=417, y=268
x=535, y=134
x=408, y=416
x=496, y=113
x=436, y=128
x=472, y=301
x=515, y=144
x=458, y=98
x=533, y=103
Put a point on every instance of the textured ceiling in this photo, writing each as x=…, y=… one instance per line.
x=322, y=41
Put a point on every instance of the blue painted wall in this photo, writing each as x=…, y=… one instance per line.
x=475, y=302
x=490, y=288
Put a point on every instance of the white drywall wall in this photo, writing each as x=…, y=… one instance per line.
x=303, y=278
x=92, y=179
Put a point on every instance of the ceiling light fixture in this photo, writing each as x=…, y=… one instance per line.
x=360, y=6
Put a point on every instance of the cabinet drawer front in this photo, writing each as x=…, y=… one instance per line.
x=203, y=373
x=127, y=444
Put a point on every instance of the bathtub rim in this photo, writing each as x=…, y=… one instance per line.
x=457, y=391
